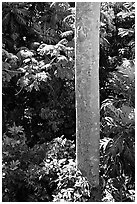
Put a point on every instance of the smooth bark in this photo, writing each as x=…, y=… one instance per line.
x=87, y=89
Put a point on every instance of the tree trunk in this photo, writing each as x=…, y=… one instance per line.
x=87, y=91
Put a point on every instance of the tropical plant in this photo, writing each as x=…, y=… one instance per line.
x=38, y=79
x=117, y=168
x=46, y=172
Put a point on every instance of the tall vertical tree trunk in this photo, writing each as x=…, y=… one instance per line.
x=87, y=90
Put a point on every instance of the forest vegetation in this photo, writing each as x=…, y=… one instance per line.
x=38, y=103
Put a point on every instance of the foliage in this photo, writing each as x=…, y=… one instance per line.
x=117, y=167
x=72, y=186
x=38, y=79
x=38, y=59
x=46, y=172
x=25, y=22
x=38, y=98
x=115, y=43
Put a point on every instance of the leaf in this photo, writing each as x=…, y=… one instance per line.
x=21, y=20
x=126, y=14
x=114, y=110
x=116, y=146
x=104, y=42
x=110, y=121
x=45, y=49
x=14, y=165
x=35, y=84
x=126, y=114
x=23, y=81
x=104, y=142
x=72, y=10
x=62, y=60
x=27, y=60
x=5, y=153
x=67, y=34
x=103, y=17
x=127, y=69
x=15, y=130
x=123, y=32
x=42, y=76
x=117, y=196
x=38, y=29
x=46, y=67
x=69, y=18
x=25, y=53
x=60, y=6
x=12, y=57
x=62, y=161
x=7, y=140
x=63, y=41
x=22, y=12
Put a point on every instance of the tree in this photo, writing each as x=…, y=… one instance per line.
x=87, y=92
x=38, y=74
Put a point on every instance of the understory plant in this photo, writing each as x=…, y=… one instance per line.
x=46, y=172
x=117, y=112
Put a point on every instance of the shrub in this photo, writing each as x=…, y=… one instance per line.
x=46, y=172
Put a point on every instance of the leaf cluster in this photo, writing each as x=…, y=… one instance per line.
x=43, y=173
x=38, y=79
x=117, y=145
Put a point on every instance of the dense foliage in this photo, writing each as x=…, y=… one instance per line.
x=46, y=172
x=117, y=98
x=38, y=76
x=38, y=59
